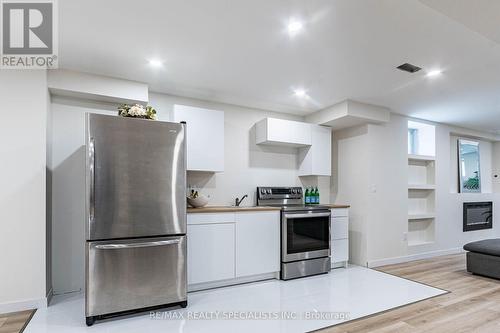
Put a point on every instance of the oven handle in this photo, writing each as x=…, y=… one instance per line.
x=288, y=216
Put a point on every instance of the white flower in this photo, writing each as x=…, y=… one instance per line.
x=137, y=111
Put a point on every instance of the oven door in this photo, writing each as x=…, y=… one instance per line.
x=305, y=235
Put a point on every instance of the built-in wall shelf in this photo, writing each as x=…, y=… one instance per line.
x=421, y=231
x=422, y=158
x=421, y=187
x=413, y=217
x=419, y=243
x=421, y=184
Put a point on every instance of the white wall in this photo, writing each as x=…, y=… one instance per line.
x=247, y=165
x=370, y=174
x=495, y=146
x=379, y=203
x=23, y=96
x=350, y=183
x=67, y=169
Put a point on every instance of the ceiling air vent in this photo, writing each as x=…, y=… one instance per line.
x=409, y=68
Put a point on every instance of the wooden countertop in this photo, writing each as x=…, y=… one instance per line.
x=335, y=206
x=232, y=209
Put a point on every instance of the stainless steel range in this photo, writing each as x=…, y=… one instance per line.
x=305, y=232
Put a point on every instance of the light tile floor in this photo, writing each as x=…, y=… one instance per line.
x=355, y=291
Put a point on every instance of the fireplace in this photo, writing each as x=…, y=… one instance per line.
x=478, y=215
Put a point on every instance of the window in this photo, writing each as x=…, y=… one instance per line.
x=413, y=141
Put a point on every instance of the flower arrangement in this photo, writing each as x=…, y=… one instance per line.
x=137, y=111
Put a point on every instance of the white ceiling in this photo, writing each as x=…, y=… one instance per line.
x=238, y=51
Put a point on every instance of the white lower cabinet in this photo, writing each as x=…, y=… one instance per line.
x=340, y=237
x=226, y=248
x=340, y=251
x=210, y=252
x=257, y=243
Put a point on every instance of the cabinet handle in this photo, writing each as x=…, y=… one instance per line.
x=136, y=245
x=310, y=215
x=91, y=180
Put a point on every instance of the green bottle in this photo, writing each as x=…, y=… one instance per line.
x=316, y=196
x=307, y=197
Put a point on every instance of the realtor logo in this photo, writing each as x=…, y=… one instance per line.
x=28, y=34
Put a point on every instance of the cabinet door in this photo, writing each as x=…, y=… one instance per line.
x=210, y=252
x=130, y=274
x=205, y=137
x=340, y=212
x=340, y=227
x=340, y=250
x=322, y=151
x=317, y=159
x=273, y=131
x=257, y=243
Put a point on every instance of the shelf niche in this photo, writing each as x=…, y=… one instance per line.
x=421, y=183
x=421, y=232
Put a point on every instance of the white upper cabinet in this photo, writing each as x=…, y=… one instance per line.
x=316, y=160
x=205, y=137
x=272, y=131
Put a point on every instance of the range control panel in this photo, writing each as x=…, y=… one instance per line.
x=269, y=193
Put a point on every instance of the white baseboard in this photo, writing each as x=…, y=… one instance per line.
x=232, y=282
x=49, y=296
x=413, y=257
x=23, y=305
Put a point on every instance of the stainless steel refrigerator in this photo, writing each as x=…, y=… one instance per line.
x=136, y=215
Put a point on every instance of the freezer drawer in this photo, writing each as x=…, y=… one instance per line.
x=130, y=274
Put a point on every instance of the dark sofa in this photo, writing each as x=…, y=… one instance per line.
x=483, y=257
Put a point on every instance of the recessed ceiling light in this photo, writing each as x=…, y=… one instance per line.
x=294, y=26
x=155, y=63
x=300, y=93
x=435, y=72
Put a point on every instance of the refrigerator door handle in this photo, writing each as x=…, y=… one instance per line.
x=136, y=245
x=91, y=180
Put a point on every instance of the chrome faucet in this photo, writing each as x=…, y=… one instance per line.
x=238, y=202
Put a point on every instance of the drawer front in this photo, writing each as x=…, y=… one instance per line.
x=340, y=250
x=340, y=228
x=340, y=212
x=129, y=274
x=208, y=218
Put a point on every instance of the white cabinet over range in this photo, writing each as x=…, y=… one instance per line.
x=205, y=137
x=316, y=160
x=314, y=143
x=276, y=132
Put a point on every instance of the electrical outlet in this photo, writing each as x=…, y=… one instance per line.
x=405, y=236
